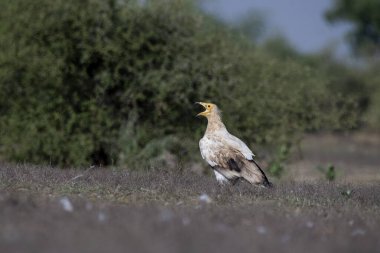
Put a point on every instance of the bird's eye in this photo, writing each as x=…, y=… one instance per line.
x=208, y=106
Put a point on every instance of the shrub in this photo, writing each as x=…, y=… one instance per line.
x=114, y=82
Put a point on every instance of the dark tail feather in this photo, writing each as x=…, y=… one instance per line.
x=266, y=182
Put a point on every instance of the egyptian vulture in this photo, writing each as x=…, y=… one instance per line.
x=227, y=155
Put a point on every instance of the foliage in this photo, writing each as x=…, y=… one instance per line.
x=365, y=16
x=276, y=167
x=365, y=40
x=329, y=172
x=114, y=82
x=251, y=25
x=372, y=79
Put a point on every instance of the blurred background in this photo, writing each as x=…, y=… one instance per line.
x=113, y=82
x=302, y=24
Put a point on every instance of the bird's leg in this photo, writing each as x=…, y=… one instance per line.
x=236, y=182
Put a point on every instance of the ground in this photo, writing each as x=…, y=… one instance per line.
x=46, y=209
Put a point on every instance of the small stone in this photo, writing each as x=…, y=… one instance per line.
x=309, y=224
x=205, y=198
x=261, y=230
x=102, y=217
x=66, y=204
x=358, y=231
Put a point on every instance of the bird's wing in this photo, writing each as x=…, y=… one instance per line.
x=237, y=144
x=217, y=154
x=231, y=158
x=236, y=164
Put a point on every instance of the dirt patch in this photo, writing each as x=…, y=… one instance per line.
x=355, y=157
x=45, y=209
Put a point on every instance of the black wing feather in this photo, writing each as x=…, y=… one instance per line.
x=266, y=182
x=232, y=164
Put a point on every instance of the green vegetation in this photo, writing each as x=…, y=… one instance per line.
x=276, y=167
x=364, y=37
x=114, y=82
x=365, y=16
x=329, y=172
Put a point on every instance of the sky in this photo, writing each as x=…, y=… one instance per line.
x=300, y=21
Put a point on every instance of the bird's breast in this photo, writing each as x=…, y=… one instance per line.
x=210, y=147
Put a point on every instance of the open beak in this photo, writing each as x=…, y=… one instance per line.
x=204, y=106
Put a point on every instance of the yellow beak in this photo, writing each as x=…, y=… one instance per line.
x=205, y=112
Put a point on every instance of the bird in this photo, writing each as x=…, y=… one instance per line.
x=227, y=155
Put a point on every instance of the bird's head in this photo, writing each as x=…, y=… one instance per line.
x=209, y=109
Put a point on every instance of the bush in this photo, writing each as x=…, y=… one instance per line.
x=111, y=82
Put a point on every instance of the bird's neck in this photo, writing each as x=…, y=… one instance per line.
x=214, y=124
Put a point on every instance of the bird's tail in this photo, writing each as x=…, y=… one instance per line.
x=266, y=182
x=255, y=175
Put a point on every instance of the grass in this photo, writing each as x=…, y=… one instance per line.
x=161, y=211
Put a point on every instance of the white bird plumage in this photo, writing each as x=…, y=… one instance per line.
x=230, y=157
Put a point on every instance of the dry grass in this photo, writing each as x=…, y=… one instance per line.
x=161, y=211
x=355, y=157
